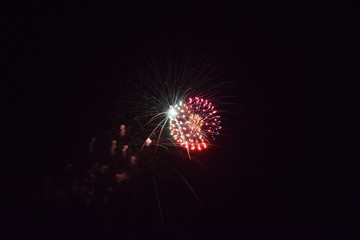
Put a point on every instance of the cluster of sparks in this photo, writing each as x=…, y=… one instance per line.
x=193, y=123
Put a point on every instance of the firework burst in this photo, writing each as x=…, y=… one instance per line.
x=173, y=98
x=193, y=123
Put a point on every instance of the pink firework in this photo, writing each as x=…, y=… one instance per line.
x=193, y=123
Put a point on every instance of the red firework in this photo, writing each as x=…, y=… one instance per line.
x=193, y=123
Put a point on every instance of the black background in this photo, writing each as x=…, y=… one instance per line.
x=268, y=179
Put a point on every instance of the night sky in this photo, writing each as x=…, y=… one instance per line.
x=266, y=178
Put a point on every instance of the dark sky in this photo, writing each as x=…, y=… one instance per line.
x=261, y=182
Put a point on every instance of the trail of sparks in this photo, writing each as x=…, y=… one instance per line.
x=187, y=183
x=164, y=120
x=158, y=199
